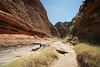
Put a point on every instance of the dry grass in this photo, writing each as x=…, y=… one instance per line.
x=88, y=55
x=55, y=39
x=67, y=38
x=43, y=59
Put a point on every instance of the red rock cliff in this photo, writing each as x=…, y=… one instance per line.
x=87, y=27
x=63, y=28
x=25, y=17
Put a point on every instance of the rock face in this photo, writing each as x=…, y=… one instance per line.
x=87, y=27
x=63, y=28
x=25, y=17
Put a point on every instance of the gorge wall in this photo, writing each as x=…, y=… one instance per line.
x=25, y=17
x=87, y=26
x=63, y=28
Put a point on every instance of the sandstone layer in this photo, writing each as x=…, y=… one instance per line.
x=25, y=17
x=87, y=27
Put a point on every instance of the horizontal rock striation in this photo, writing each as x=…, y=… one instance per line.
x=87, y=27
x=25, y=17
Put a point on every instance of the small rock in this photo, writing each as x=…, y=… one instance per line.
x=35, y=49
x=18, y=56
x=61, y=51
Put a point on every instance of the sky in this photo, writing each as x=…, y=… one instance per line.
x=61, y=10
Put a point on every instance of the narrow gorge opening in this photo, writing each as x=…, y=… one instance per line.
x=63, y=14
x=49, y=33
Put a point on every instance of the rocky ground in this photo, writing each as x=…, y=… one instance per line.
x=67, y=56
x=12, y=53
x=67, y=59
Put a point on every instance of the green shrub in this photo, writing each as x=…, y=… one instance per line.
x=71, y=28
x=68, y=38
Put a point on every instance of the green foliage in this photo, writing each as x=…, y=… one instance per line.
x=66, y=25
x=71, y=28
x=18, y=10
x=55, y=39
x=87, y=55
x=69, y=37
x=83, y=3
x=58, y=34
x=74, y=21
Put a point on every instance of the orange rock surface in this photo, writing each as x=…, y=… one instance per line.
x=25, y=17
x=87, y=27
